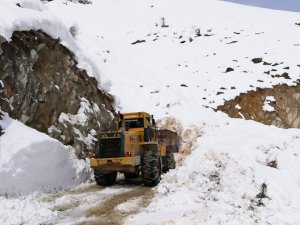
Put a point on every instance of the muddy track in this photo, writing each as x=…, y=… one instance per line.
x=52, y=197
x=88, y=206
x=106, y=212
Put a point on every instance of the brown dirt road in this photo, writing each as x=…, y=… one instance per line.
x=88, y=206
x=106, y=212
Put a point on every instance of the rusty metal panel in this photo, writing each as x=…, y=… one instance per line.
x=169, y=138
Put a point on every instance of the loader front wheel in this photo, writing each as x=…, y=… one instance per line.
x=151, y=168
x=105, y=179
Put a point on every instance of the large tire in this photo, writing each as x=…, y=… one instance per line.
x=169, y=162
x=103, y=179
x=151, y=168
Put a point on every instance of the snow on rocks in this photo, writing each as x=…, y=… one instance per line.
x=266, y=106
x=31, y=161
x=27, y=15
x=31, y=4
x=237, y=106
x=80, y=117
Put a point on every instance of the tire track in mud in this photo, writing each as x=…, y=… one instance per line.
x=53, y=196
x=76, y=197
x=98, y=209
x=106, y=212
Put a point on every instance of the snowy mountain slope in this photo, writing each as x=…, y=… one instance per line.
x=232, y=35
x=238, y=172
x=160, y=65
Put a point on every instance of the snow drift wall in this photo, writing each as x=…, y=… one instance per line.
x=31, y=161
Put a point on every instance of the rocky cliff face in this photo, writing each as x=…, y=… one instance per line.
x=278, y=106
x=44, y=88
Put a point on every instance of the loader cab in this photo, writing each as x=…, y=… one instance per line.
x=135, y=121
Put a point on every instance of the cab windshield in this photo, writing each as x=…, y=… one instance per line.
x=134, y=123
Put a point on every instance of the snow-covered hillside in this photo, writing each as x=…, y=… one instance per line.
x=179, y=59
x=171, y=57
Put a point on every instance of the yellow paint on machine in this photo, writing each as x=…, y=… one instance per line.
x=132, y=161
x=122, y=164
x=136, y=134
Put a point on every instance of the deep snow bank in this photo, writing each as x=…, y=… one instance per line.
x=31, y=161
x=221, y=181
x=29, y=210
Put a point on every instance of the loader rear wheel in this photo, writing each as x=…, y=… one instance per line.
x=169, y=162
x=107, y=179
x=151, y=168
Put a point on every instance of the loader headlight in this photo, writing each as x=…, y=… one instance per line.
x=129, y=154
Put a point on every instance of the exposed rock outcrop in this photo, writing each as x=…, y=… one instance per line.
x=278, y=106
x=1, y=130
x=44, y=88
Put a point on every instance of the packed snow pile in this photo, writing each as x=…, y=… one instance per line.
x=31, y=161
x=242, y=172
x=16, y=211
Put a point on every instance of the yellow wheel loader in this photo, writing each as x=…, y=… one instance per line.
x=136, y=147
